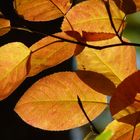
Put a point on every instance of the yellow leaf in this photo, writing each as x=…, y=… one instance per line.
x=4, y=25
x=115, y=63
x=123, y=131
x=51, y=103
x=13, y=70
x=51, y=51
x=42, y=10
x=92, y=16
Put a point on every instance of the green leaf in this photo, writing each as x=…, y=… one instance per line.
x=105, y=135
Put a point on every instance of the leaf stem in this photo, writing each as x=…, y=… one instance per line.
x=93, y=128
x=107, y=5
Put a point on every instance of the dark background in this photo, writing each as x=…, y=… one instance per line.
x=11, y=126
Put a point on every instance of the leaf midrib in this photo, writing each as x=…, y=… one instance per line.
x=92, y=19
x=107, y=65
x=61, y=101
x=11, y=70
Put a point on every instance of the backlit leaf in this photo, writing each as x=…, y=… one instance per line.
x=92, y=36
x=42, y=10
x=51, y=103
x=92, y=16
x=115, y=63
x=123, y=131
x=4, y=25
x=51, y=51
x=125, y=102
x=13, y=70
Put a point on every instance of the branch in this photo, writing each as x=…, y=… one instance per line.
x=77, y=42
x=93, y=128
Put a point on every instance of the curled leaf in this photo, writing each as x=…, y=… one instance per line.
x=51, y=103
x=13, y=69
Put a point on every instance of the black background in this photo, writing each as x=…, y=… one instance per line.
x=11, y=126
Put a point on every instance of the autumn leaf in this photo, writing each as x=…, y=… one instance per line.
x=42, y=10
x=51, y=103
x=128, y=6
x=123, y=131
x=4, y=25
x=13, y=70
x=92, y=36
x=115, y=63
x=125, y=102
x=92, y=16
x=51, y=51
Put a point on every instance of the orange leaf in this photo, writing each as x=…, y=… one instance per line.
x=51, y=103
x=125, y=102
x=42, y=10
x=92, y=16
x=4, y=25
x=111, y=62
x=123, y=131
x=13, y=60
x=51, y=51
x=92, y=36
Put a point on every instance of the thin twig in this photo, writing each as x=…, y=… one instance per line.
x=107, y=5
x=93, y=128
x=121, y=26
x=62, y=14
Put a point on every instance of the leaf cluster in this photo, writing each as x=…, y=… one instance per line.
x=106, y=66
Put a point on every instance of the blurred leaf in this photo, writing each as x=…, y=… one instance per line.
x=123, y=131
x=105, y=135
x=92, y=16
x=4, y=25
x=42, y=10
x=51, y=103
x=50, y=51
x=115, y=63
x=90, y=136
x=13, y=69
